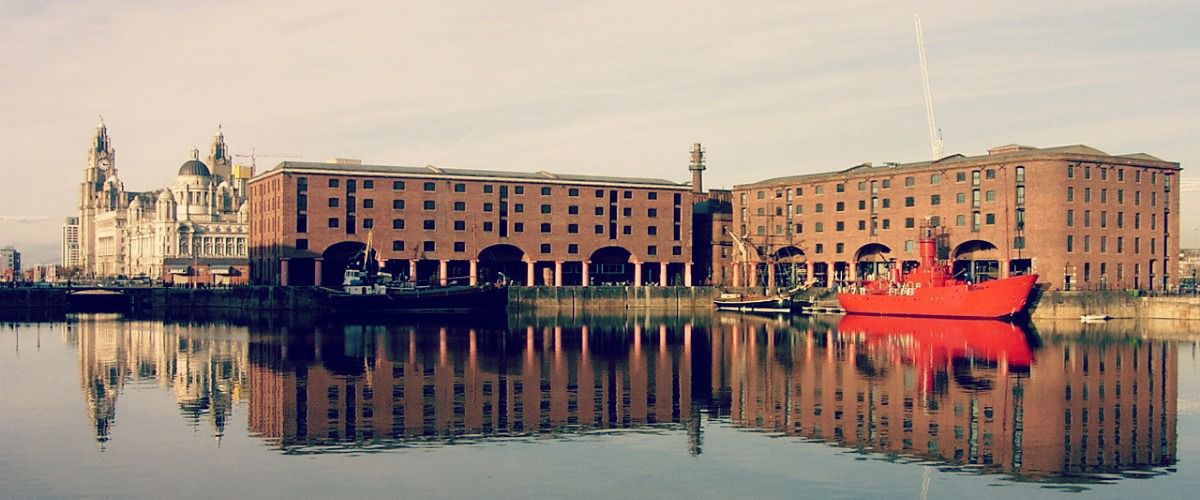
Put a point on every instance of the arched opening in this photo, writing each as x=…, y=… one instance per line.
x=345, y=255
x=502, y=259
x=610, y=266
x=872, y=261
x=976, y=261
x=791, y=267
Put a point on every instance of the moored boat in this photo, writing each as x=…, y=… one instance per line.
x=930, y=290
x=376, y=293
x=446, y=300
x=759, y=303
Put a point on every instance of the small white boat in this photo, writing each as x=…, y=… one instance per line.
x=1094, y=318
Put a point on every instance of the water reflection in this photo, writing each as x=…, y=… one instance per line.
x=204, y=365
x=979, y=394
x=393, y=385
x=962, y=393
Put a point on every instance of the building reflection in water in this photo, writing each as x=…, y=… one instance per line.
x=382, y=386
x=981, y=394
x=203, y=365
x=959, y=392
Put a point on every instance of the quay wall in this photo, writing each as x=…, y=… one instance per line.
x=1044, y=306
x=32, y=298
x=1072, y=305
x=612, y=298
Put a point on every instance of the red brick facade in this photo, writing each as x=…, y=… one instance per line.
x=1078, y=217
x=309, y=220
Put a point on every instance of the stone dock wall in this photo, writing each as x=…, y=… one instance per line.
x=612, y=298
x=1072, y=305
x=1049, y=305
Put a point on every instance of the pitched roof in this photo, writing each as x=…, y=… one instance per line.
x=1000, y=153
x=432, y=171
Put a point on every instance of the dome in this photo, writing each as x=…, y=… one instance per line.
x=136, y=202
x=166, y=195
x=194, y=167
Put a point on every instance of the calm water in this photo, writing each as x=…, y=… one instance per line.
x=709, y=406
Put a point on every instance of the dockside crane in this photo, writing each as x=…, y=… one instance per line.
x=935, y=134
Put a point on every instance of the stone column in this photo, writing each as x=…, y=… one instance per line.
x=283, y=271
x=412, y=270
x=317, y=270
x=687, y=274
x=662, y=274
x=586, y=264
x=737, y=274
x=529, y=277
x=558, y=273
x=770, y=274
x=637, y=273
x=474, y=279
x=753, y=272
x=442, y=278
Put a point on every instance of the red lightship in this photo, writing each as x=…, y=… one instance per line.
x=931, y=290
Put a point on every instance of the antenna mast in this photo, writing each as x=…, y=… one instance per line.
x=935, y=135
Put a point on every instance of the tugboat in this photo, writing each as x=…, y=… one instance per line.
x=931, y=290
x=366, y=292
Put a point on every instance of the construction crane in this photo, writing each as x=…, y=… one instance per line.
x=254, y=156
x=935, y=135
x=243, y=174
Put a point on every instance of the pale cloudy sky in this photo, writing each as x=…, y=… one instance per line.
x=614, y=87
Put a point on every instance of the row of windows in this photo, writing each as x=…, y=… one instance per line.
x=1137, y=174
x=909, y=181
x=430, y=186
x=909, y=222
x=1120, y=276
x=1120, y=219
x=1087, y=196
x=1102, y=241
x=909, y=201
x=461, y=206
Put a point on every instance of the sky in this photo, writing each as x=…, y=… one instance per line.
x=613, y=87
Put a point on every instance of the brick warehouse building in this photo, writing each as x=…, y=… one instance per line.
x=1079, y=217
x=442, y=225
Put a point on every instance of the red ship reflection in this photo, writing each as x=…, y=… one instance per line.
x=930, y=342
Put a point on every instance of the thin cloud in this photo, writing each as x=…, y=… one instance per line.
x=771, y=88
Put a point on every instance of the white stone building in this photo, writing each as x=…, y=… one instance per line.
x=201, y=217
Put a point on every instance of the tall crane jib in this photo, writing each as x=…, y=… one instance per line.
x=935, y=135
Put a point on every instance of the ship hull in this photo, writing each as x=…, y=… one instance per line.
x=759, y=304
x=992, y=299
x=432, y=300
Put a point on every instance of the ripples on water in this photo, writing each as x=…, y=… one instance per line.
x=973, y=397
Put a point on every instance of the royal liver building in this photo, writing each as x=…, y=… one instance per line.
x=193, y=231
